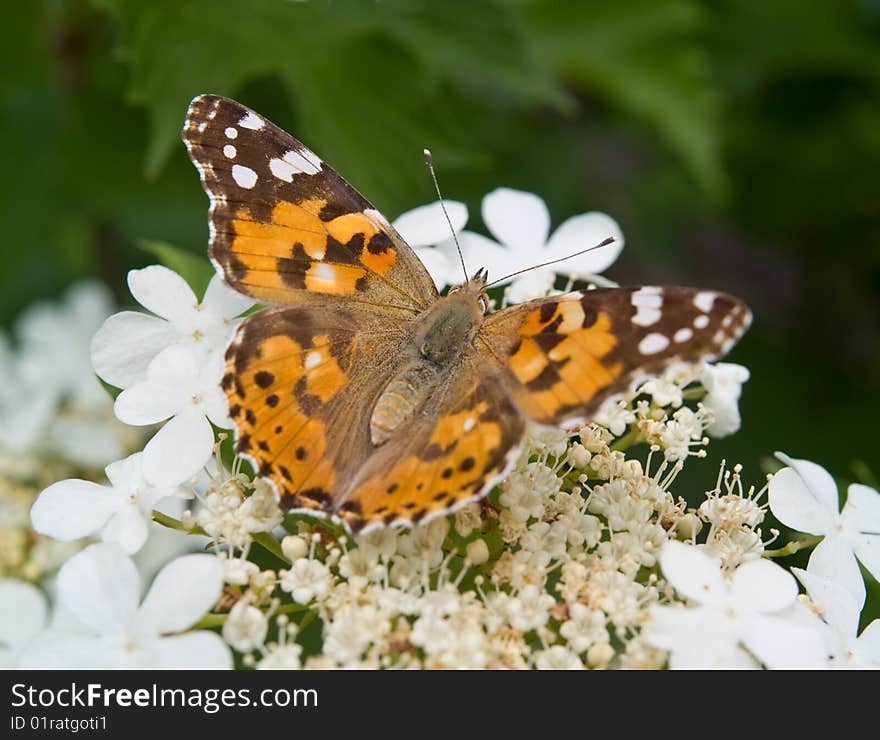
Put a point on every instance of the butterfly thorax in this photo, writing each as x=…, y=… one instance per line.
x=440, y=337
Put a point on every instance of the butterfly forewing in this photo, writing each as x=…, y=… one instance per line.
x=562, y=356
x=285, y=225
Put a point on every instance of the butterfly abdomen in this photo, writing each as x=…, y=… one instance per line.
x=400, y=399
x=438, y=341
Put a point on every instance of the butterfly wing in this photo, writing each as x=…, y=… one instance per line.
x=301, y=383
x=464, y=441
x=562, y=356
x=284, y=224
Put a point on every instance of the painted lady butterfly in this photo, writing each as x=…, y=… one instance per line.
x=362, y=393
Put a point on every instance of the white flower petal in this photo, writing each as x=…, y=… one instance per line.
x=437, y=265
x=517, y=219
x=867, y=647
x=183, y=591
x=530, y=285
x=480, y=251
x=583, y=232
x=784, y=643
x=834, y=560
x=145, y=403
x=23, y=613
x=867, y=550
x=804, y=496
x=692, y=573
x=702, y=655
x=126, y=343
x=73, y=508
x=863, y=505
x=202, y=650
x=101, y=587
x=127, y=528
x=840, y=608
x=670, y=627
x=162, y=291
x=61, y=649
x=178, y=450
x=426, y=225
x=225, y=301
x=763, y=586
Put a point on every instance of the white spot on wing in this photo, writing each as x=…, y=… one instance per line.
x=229, y=151
x=293, y=163
x=704, y=300
x=647, y=302
x=312, y=359
x=252, y=121
x=701, y=322
x=682, y=335
x=324, y=272
x=244, y=176
x=469, y=423
x=231, y=132
x=653, y=343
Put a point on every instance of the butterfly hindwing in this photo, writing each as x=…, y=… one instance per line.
x=562, y=356
x=301, y=382
x=453, y=453
x=284, y=224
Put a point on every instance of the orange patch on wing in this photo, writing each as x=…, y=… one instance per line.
x=577, y=360
x=287, y=445
x=450, y=470
x=528, y=361
x=334, y=279
x=324, y=376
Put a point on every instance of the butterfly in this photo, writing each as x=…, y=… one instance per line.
x=364, y=395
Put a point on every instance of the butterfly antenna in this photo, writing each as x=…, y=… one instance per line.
x=429, y=160
x=603, y=243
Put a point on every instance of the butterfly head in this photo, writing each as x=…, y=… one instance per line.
x=476, y=287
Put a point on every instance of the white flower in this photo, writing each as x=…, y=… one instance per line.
x=126, y=344
x=105, y=626
x=584, y=627
x=425, y=229
x=615, y=416
x=245, y=628
x=306, y=580
x=521, y=222
x=529, y=609
x=22, y=615
x=557, y=658
x=723, y=382
x=804, y=497
x=118, y=513
x=840, y=612
x=59, y=407
x=282, y=657
x=749, y=611
x=184, y=387
x=55, y=339
x=663, y=391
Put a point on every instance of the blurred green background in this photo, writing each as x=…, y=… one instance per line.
x=736, y=142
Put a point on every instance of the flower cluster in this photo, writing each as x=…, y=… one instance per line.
x=589, y=554
x=56, y=420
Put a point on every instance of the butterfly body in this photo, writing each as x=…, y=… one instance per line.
x=363, y=394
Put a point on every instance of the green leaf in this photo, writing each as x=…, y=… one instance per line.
x=372, y=83
x=645, y=56
x=196, y=270
x=268, y=542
